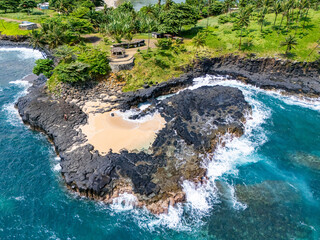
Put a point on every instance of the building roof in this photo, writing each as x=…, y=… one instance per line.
x=117, y=49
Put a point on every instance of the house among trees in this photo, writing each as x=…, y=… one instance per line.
x=43, y=6
x=156, y=35
x=118, y=52
x=25, y=25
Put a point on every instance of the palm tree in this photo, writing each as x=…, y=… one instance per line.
x=199, y=41
x=243, y=20
x=262, y=16
x=277, y=8
x=37, y=41
x=290, y=42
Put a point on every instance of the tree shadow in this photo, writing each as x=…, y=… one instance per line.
x=289, y=55
x=309, y=26
x=190, y=33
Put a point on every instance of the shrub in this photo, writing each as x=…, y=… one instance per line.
x=72, y=72
x=97, y=61
x=224, y=19
x=216, y=8
x=43, y=66
x=164, y=44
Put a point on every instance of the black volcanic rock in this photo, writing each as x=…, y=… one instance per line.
x=153, y=176
x=195, y=121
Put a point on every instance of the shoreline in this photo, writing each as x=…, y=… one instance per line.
x=94, y=179
x=25, y=44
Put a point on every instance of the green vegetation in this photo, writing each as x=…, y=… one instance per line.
x=75, y=64
x=35, y=16
x=11, y=28
x=169, y=60
x=227, y=37
x=273, y=28
x=44, y=66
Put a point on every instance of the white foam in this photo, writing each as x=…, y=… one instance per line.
x=172, y=220
x=57, y=167
x=11, y=112
x=24, y=53
x=196, y=196
x=124, y=202
x=229, y=155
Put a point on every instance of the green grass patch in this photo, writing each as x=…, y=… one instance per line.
x=11, y=28
x=159, y=66
x=266, y=43
x=37, y=16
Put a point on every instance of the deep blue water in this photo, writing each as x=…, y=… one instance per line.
x=265, y=185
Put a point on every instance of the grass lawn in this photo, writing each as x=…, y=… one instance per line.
x=159, y=66
x=37, y=16
x=224, y=39
x=11, y=28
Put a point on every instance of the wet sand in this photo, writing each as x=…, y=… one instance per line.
x=106, y=132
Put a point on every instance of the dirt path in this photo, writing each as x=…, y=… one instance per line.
x=10, y=20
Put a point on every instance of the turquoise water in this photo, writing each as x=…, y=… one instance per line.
x=265, y=185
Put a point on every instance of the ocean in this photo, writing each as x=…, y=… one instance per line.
x=263, y=185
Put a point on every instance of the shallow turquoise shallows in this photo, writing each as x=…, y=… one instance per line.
x=264, y=185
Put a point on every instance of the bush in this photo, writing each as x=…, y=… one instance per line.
x=97, y=61
x=72, y=72
x=164, y=44
x=224, y=19
x=216, y=8
x=43, y=66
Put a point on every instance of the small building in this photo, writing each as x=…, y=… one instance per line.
x=25, y=25
x=43, y=6
x=167, y=35
x=118, y=52
x=156, y=35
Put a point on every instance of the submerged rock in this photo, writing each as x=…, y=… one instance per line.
x=306, y=160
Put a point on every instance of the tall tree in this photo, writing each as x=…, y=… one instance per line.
x=9, y=5
x=243, y=20
x=277, y=8
x=28, y=5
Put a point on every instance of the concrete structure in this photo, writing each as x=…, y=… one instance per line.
x=118, y=52
x=132, y=44
x=28, y=25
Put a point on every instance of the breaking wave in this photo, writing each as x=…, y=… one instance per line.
x=24, y=53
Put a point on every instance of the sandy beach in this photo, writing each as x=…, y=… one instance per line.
x=112, y=130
